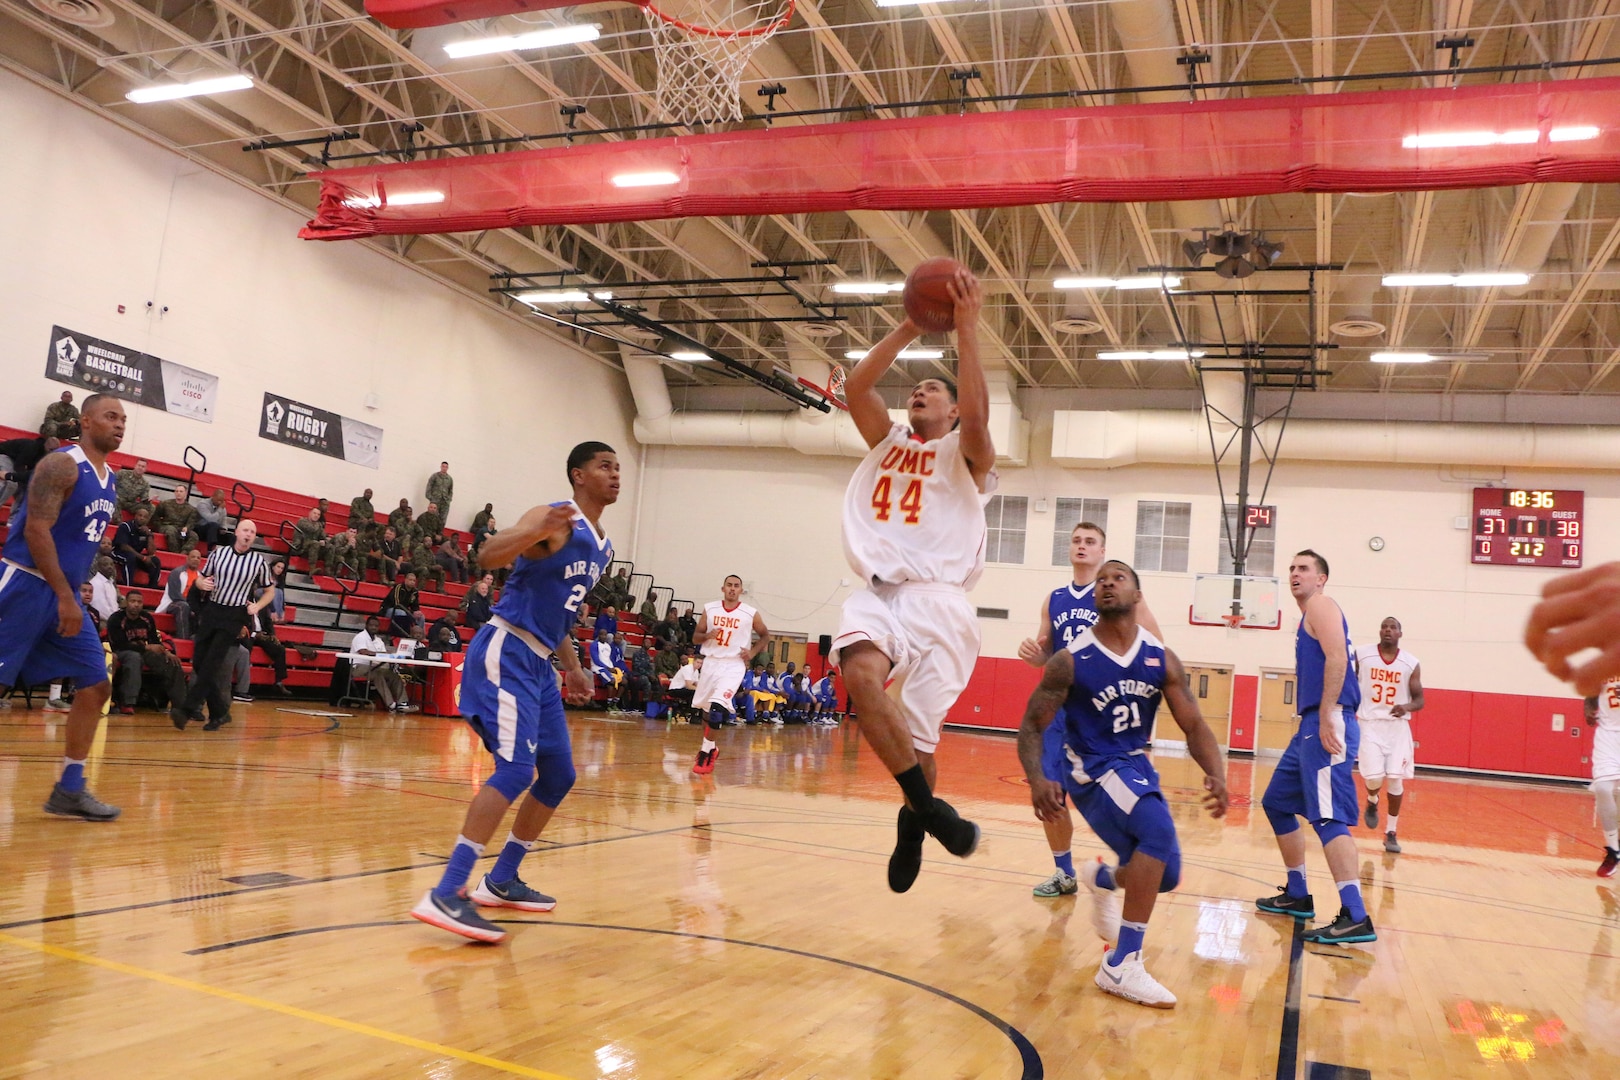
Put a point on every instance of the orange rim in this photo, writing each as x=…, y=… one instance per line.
x=709, y=31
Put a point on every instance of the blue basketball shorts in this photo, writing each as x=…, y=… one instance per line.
x=1127, y=811
x=510, y=696
x=31, y=651
x=1312, y=783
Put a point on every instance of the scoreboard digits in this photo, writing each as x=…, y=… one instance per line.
x=1528, y=527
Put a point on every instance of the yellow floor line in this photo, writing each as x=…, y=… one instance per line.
x=272, y=1006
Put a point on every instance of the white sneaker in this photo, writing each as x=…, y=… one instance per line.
x=1131, y=981
x=1106, y=904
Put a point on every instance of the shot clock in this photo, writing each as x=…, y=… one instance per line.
x=1528, y=527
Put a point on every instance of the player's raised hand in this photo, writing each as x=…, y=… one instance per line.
x=1579, y=611
x=577, y=687
x=1030, y=652
x=1215, y=797
x=968, y=297
x=69, y=615
x=1046, y=796
x=556, y=520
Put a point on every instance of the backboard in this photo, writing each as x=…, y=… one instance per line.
x=1256, y=602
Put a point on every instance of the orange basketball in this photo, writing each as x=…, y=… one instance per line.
x=927, y=298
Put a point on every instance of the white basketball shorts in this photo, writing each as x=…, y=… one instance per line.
x=930, y=633
x=1606, y=754
x=1386, y=750
x=719, y=679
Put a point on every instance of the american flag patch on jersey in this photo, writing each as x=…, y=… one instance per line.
x=1152, y=661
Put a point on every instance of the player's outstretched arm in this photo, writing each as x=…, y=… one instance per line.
x=1036, y=651
x=972, y=392
x=866, y=406
x=1201, y=742
x=1044, y=702
x=536, y=535
x=1578, y=611
x=53, y=481
x=762, y=638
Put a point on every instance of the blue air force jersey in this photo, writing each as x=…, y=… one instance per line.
x=1108, y=715
x=77, y=533
x=543, y=596
x=1310, y=664
x=1071, y=609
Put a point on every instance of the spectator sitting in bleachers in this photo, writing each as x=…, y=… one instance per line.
x=87, y=596
x=477, y=604
x=443, y=635
x=65, y=415
x=483, y=520
x=605, y=667
x=745, y=699
x=262, y=633
x=383, y=678
x=404, y=607
x=176, y=520
x=649, y=609
x=451, y=560
x=278, y=574
x=666, y=662
x=139, y=648
x=132, y=547
x=666, y=633
x=382, y=554
x=430, y=524
x=308, y=536
x=361, y=512
x=420, y=559
x=639, y=683
x=105, y=595
x=339, y=554
x=133, y=490
x=684, y=682
x=401, y=518
x=176, y=589
x=24, y=455
x=607, y=621
x=826, y=699
x=618, y=590
x=688, y=624
x=214, y=520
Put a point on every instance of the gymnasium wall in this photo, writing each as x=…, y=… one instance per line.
x=92, y=217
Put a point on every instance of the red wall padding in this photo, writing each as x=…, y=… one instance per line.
x=1112, y=153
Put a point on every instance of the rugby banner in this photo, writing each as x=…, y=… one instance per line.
x=292, y=422
x=101, y=367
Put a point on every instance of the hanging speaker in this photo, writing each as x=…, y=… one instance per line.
x=824, y=643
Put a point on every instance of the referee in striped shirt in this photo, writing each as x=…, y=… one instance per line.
x=228, y=581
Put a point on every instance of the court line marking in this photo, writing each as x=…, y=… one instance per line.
x=1288, y=1038
x=1030, y=1058
x=236, y=997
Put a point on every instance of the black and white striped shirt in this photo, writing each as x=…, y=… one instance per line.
x=237, y=575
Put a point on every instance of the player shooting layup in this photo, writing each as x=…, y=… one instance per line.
x=725, y=629
x=1391, y=691
x=914, y=534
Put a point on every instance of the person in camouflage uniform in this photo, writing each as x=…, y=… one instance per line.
x=401, y=518
x=440, y=487
x=309, y=534
x=133, y=490
x=419, y=561
x=481, y=519
x=338, y=550
x=381, y=552
x=64, y=415
x=430, y=524
x=177, y=520
x=361, y=513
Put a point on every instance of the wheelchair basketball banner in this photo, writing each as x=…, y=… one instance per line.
x=100, y=367
x=292, y=422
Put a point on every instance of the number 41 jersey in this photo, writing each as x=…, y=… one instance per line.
x=1108, y=715
x=84, y=516
x=913, y=513
x=543, y=596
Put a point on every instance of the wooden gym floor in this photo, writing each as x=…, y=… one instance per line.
x=247, y=917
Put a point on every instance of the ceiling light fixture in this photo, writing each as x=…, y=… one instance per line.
x=904, y=354
x=690, y=356
x=1461, y=280
x=1573, y=134
x=645, y=179
x=403, y=198
x=540, y=39
x=868, y=288
x=1151, y=354
x=1402, y=358
x=147, y=94
x=1168, y=282
x=1440, y=140
x=555, y=296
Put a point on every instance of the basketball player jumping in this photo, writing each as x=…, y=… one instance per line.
x=1603, y=714
x=1106, y=685
x=1391, y=691
x=510, y=695
x=1313, y=778
x=1068, y=611
x=55, y=534
x=725, y=629
x=914, y=534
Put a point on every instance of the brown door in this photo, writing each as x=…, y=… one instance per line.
x=1278, y=718
x=1210, y=686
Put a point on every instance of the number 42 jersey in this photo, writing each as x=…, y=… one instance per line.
x=1108, y=715
x=543, y=596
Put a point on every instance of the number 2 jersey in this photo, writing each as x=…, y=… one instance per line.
x=1384, y=685
x=912, y=513
x=77, y=532
x=1108, y=715
x=542, y=596
x=733, y=629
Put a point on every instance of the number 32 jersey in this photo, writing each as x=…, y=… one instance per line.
x=543, y=596
x=1108, y=715
x=913, y=513
x=1383, y=686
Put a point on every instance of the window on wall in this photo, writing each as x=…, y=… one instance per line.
x=1006, y=519
x=1163, y=534
x=1262, y=552
x=1071, y=512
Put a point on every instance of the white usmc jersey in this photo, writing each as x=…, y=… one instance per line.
x=913, y=513
x=733, y=627
x=1384, y=685
x=1608, y=706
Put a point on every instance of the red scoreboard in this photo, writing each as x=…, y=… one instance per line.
x=1526, y=527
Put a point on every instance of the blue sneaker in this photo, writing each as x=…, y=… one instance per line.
x=512, y=894
x=458, y=916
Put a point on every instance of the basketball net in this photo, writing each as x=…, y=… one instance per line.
x=703, y=46
x=1233, y=623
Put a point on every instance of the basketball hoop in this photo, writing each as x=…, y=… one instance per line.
x=703, y=46
x=1233, y=622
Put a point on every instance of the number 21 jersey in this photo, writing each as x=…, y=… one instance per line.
x=913, y=513
x=1109, y=712
x=543, y=596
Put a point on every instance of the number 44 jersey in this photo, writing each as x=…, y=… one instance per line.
x=543, y=596
x=1108, y=715
x=913, y=513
